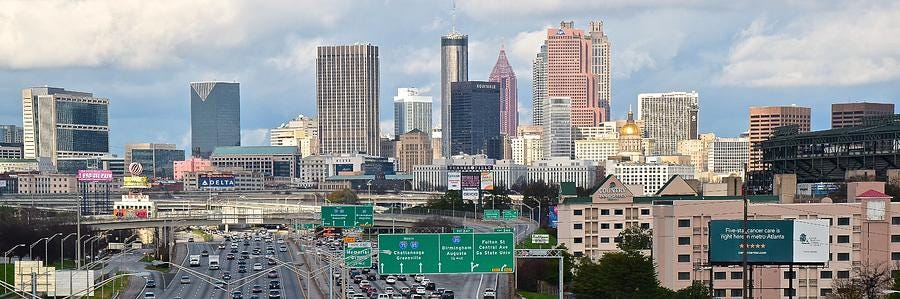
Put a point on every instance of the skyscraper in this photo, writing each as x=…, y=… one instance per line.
x=852, y=114
x=539, y=86
x=302, y=132
x=558, y=128
x=454, y=68
x=569, y=73
x=669, y=118
x=764, y=120
x=215, y=116
x=413, y=148
x=64, y=124
x=504, y=75
x=476, y=127
x=411, y=111
x=158, y=159
x=347, y=83
x=600, y=66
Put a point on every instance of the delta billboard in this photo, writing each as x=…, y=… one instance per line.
x=215, y=181
x=769, y=242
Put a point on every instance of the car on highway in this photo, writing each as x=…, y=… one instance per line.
x=271, y=262
x=256, y=289
x=191, y=239
x=418, y=277
x=204, y=253
x=274, y=285
x=489, y=293
x=221, y=246
x=257, y=267
x=185, y=279
x=242, y=269
x=405, y=291
x=273, y=274
x=237, y=295
x=430, y=286
x=391, y=279
x=149, y=295
x=234, y=246
x=389, y=290
x=357, y=278
x=396, y=297
x=448, y=294
x=364, y=284
x=401, y=277
x=420, y=290
x=415, y=296
x=384, y=296
x=226, y=276
x=282, y=249
x=234, y=250
x=151, y=284
x=274, y=294
x=229, y=256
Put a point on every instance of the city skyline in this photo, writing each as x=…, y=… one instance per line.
x=646, y=57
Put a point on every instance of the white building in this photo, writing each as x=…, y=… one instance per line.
x=527, y=148
x=539, y=86
x=558, y=128
x=411, y=111
x=597, y=149
x=604, y=130
x=669, y=118
x=302, y=132
x=728, y=155
x=434, y=177
x=558, y=170
x=313, y=170
x=651, y=176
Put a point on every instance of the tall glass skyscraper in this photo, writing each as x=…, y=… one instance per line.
x=475, y=119
x=454, y=68
x=215, y=116
x=411, y=111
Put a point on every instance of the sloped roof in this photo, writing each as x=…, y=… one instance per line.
x=873, y=194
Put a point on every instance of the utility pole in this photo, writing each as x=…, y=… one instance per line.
x=744, y=240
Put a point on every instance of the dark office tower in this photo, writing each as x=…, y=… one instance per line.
x=347, y=99
x=215, y=116
x=454, y=68
x=852, y=114
x=474, y=118
x=158, y=159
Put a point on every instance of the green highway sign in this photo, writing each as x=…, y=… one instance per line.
x=491, y=215
x=503, y=229
x=358, y=255
x=309, y=226
x=463, y=230
x=453, y=253
x=347, y=216
x=510, y=214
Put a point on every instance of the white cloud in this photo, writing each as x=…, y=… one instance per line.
x=251, y=137
x=521, y=8
x=842, y=47
x=422, y=61
x=300, y=56
x=141, y=34
x=386, y=126
x=522, y=49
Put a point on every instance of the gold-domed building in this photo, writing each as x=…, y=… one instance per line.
x=630, y=139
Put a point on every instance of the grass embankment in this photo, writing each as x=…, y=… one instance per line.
x=202, y=234
x=533, y=295
x=8, y=269
x=164, y=268
x=526, y=244
x=111, y=287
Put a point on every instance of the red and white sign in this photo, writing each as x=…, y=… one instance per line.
x=95, y=175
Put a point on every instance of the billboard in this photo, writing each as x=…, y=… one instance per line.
x=487, y=181
x=213, y=181
x=470, y=180
x=95, y=175
x=769, y=242
x=135, y=182
x=453, y=180
x=470, y=193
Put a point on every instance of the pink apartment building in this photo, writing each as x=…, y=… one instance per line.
x=863, y=231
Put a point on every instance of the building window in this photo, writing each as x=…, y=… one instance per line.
x=604, y=240
x=790, y=274
x=825, y=274
x=618, y=211
x=604, y=225
x=895, y=220
x=737, y=275
x=719, y=275
x=895, y=256
x=790, y=292
x=577, y=240
x=645, y=225
x=825, y=292
x=843, y=256
x=604, y=212
x=645, y=211
x=843, y=274
x=684, y=223
x=617, y=225
x=737, y=293
x=719, y=293
x=577, y=226
x=576, y=212
x=684, y=240
x=684, y=275
x=843, y=239
x=844, y=221
x=895, y=238
x=684, y=258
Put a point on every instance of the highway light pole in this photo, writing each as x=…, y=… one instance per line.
x=31, y=247
x=6, y=259
x=62, y=246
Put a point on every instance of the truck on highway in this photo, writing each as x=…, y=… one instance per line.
x=195, y=260
x=214, y=262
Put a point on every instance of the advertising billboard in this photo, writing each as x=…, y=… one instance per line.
x=135, y=182
x=453, y=180
x=487, y=181
x=470, y=193
x=470, y=180
x=769, y=242
x=95, y=175
x=214, y=181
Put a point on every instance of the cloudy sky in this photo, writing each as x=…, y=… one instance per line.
x=141, y=55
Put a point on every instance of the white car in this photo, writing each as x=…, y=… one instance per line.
x=389, y=290
x=257, y=267
x=391, y=279
x=384, y=296
x=420, y=290
x=489, y=293
x=364, y=284
x=149, y=295
x=419, y=277
x=405, y=291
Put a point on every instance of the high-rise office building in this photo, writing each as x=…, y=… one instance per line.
x=64, y=124
x=454, y=68
x=11, y=134
x=600, y=66
x=528, y=146
x=476, y=127
x=669, y=118
x=302, y=132
x=558, y=128
x=539, y=86
x=411, y=111
x=347, y=83
x=215, y=116
x=764, y=120
x=158, y=159
x=504, y=75
x=852, y=114
x=413, y=148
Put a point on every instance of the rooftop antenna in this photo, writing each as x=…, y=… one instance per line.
x=453, y=16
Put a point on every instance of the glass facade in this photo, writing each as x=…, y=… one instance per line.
x=79, y=113
x=82, y=140
x=475, y=119
x=159, y=163
x=215, y=116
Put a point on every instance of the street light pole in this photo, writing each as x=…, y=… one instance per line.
x=30, y=247
x=62, y=246
x=47, y=246
x=78, y=245
x=6, y=260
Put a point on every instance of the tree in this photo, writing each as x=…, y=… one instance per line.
x=434, y=224
x=617, y=275
x=451, y=200
x=540, y=194
x=697, y=290
x=868, y=281
x=634, y=238
x=345, y=196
